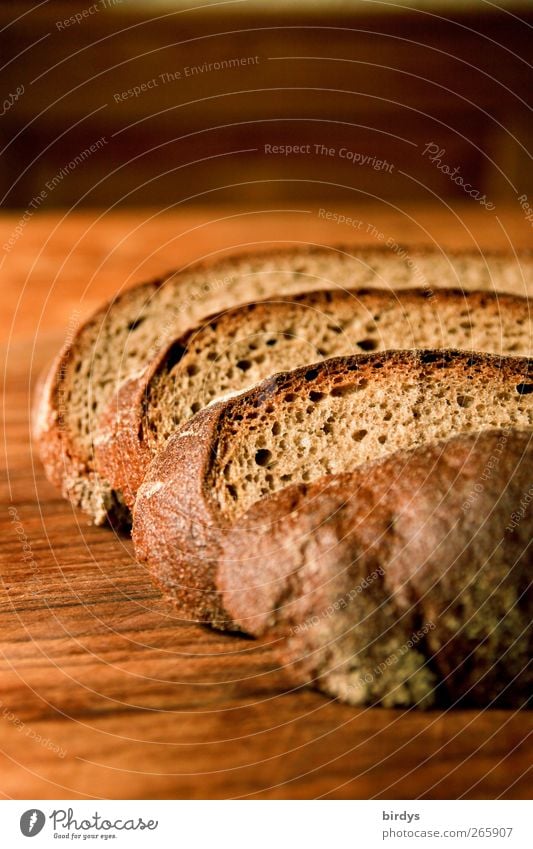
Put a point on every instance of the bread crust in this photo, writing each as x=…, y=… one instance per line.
x=179, y=537
x=66, y=463
x=342, y=574
x=178, y=524
x=121, y=448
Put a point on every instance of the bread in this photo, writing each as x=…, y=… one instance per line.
x=236, y=349
x=406, y=582
x=123, y=336
x=297, y=427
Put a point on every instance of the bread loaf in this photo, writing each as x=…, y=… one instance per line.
x=297, y=427
x=236, y=349
x=406, y=582
x=125, y=335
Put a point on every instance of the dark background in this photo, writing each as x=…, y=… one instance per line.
x=381, y=84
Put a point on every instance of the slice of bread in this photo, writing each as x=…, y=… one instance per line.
x=297, y=427
x=406, y=582
x=123, y=336
x=234, y=350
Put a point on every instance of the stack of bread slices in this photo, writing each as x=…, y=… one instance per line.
x=330, y=449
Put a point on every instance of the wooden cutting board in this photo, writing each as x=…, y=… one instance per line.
x=103, y=693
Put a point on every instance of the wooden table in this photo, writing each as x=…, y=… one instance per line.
x=103, y=694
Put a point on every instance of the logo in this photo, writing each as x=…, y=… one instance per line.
x=32, y=822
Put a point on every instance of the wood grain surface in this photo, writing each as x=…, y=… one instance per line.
x=103, y=693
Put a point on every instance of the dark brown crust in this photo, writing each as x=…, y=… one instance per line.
x=178, y=526
x=424, y=536
x=179, y=538
x=122, y=451
x=65, y=464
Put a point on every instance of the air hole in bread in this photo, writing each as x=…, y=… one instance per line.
x=524, y=388
x=133, y=325
x=175, y=355
x=368, y=344
x=263, y=457
x=342, y=391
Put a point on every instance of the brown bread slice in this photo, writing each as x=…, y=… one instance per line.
x=123, y=336
x=297, y=427
x=236, y=349
x=405, y=582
